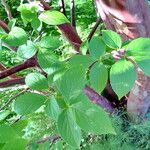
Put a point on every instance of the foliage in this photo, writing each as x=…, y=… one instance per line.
x=54, y=94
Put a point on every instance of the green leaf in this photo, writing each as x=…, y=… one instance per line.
x=86, y=61
x=92, y=118
x=27, y=51
x=111, y=39
x=36, y=24
x=11, y=23
x=122, y=77
x=97, y=47
x=15, y=144
x=98, y=77
x=28, y=103
x=68, y=128
x=36, y=81
x=28, y=13
x=16, y=37
x=50, y=42
x=46, y=59
x=52, y=108
x=72, y=82
x=4, y=114
x=143, y=63
x=20, y=126
x=84, y=47
x=52, y=17
x=139, y=47
x=7, y=133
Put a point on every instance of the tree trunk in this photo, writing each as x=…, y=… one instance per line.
x=131, y=19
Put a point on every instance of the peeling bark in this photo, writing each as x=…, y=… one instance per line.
x=131, y=19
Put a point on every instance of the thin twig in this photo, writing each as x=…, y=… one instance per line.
x=13, y=98
x=49, y=138
x=72, y=13
x=62, y=7
x=7, y=9
x=94, y=29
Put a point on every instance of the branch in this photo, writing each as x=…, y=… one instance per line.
x=98, y=99
x=12, y=82
x=62, y=7
x=89, y=92
x=94, y=29
x=2, y=68
x=69, y=32
x=4, y=26
x=13, y=98
x=32, y=62
x=7, y=9
x=45, y=5
x=72, y=13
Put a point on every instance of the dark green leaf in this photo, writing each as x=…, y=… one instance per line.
x=15, y=144
x=11, y=23
x=111, y=39
x=52, y=108
x=68, y=128
x=72, y=82
x=97, y=47
x=86, y=61
x=98, y=77
x=28, y=103
x=92, y=118
x=122, y=77
x=7, y=133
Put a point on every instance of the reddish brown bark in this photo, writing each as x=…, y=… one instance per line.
x=131, y=19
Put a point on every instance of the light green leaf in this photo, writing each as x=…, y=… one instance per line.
x=46, y=59
x=50, y=42
x=11, y=23
x=52, y=108
x=52, y=17
x=15, y=144
x=86, y=61
x=7, y=133
x=68, y=128
x=122, y=77
x=92, y=118
x=98, y=77
x=36, y=81
x=84, y=47
x=139, y=47
x=28, y=103
x=143, y=63
x=28, y=50
x=16, y=37
x=4, y=114
x=97, y=47
x=36, y=24
x=111, y=39
x=72, y=82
